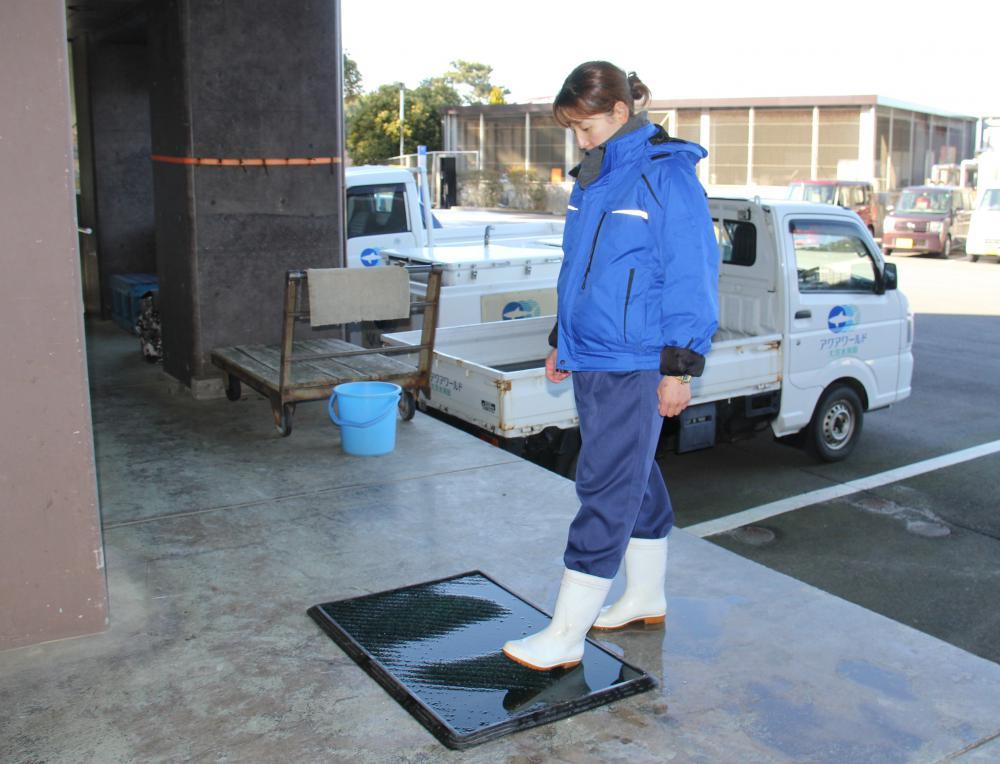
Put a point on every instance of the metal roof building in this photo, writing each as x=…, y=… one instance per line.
x=752, y=142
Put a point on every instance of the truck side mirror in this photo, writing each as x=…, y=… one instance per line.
x=889, y=278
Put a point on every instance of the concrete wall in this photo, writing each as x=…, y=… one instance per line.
x=123, y=173
x=51, y=556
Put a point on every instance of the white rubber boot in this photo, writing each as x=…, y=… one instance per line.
x=644, y=599
x=560, y=644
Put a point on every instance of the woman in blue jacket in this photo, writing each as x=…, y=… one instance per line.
x=638, y=306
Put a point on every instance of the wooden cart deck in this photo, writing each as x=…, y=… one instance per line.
x=308, y=370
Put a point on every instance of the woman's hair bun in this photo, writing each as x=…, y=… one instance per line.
x=640, y=93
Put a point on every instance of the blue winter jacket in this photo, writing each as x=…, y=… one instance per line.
x=638, y=287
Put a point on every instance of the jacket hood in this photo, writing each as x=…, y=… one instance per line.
x=628, y=145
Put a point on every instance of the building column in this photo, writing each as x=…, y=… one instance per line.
x=569, y=153
x=814, y=154
x=705, y=138
x=913, y=127
x=867, y=135
x=51, y=552
x=527, y=142
x=751, y=115
x=482, y=138
x=225, y=235
x=890, y=168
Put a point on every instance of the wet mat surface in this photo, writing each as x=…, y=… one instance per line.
x=435, y=647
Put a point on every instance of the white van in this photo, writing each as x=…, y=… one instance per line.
x=984, y=229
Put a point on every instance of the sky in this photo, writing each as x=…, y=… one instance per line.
x=916, y=51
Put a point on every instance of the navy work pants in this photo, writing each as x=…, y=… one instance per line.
x=619, y=484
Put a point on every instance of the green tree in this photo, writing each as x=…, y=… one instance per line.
x=476, y=76
x=373, y=125
x=352, y=79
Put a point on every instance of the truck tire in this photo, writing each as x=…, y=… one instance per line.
x=836, y=424
x=946, y=252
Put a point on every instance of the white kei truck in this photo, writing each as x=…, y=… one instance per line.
x=813, y=333
x=387, y=209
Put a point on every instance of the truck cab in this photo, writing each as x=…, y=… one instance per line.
x=385, y=210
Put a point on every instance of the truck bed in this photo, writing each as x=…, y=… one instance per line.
x=493, y=375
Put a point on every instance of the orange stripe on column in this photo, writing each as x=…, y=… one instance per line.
x=244, y=162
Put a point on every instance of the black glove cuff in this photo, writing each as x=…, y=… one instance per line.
x=676, y=362
x=554, y=336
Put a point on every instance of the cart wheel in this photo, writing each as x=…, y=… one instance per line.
x=233, y=388
x=283, y=422
x=407, y=406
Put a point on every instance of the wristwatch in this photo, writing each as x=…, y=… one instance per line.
x=683, y=378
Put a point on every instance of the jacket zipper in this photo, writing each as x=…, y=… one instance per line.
x=628, y=294
x=593, y=248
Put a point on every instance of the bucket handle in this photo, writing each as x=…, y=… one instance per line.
x=382, y=415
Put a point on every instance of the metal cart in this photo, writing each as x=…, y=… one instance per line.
x=308, y=370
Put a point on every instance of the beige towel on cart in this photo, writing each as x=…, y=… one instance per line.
x=346, y=295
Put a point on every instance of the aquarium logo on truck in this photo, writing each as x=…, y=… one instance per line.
x=370, y=257
x=843, y=317
x=521, y=309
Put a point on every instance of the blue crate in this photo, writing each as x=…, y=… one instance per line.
x=127, y=290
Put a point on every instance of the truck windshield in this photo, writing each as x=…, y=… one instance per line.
x=990, y=200
x=807, y=192
x=923, y=200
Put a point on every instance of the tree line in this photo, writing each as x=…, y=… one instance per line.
x=372, y=119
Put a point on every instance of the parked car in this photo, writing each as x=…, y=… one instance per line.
x=854, y=195
x=984, y=230
x=928, y=218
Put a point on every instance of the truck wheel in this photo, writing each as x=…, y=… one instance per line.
x=836, y=424
x=946, y=252
x=567, y=465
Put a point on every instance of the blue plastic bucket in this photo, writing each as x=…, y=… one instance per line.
x=365, y=413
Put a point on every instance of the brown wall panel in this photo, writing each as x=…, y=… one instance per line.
x=52, y=582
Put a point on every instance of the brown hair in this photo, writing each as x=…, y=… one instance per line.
x=594, y=88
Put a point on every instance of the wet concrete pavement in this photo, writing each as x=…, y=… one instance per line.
x=219, y=535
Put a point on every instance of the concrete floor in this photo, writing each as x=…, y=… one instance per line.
x=219, y=535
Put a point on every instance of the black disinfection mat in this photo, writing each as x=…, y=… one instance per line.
x=435, y=647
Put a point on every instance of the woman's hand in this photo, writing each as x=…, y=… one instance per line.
x=551, y=372
x=674, y=396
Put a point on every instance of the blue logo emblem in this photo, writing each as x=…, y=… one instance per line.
x=521, y=309
x=842, y=317
x=370, y=257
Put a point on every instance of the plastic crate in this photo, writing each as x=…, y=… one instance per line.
x=127, y=290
